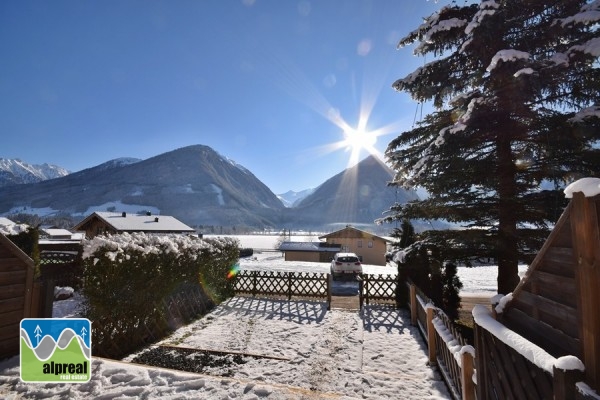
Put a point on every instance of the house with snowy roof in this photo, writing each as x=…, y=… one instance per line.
x=309, y=251
x=100, y=222
x=370, y=248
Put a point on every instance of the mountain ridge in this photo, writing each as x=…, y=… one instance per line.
x=203, y=188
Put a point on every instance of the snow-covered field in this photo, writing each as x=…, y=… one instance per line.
x=314, y=353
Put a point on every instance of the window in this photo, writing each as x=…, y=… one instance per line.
x=370, y=244
x=359, y=244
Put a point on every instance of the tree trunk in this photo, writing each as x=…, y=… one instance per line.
x=507, y=247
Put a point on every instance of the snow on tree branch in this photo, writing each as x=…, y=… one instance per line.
x=591, y=47
x=486, y=8
x=588, y=112
x=590, y=14
x=507, y=55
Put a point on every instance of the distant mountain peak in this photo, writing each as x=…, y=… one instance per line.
x=16, y=172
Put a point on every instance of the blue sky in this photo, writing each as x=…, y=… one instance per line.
x=271, y=84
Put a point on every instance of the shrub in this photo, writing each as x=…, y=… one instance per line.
x=132, y=279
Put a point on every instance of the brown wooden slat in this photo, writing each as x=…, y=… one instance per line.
x=9, y=347
x=555, y=342
x=554, y=287
x=495, y=375
x=9, y=331
x=11, y=317
x=12, y=277
x=558, y=261
x=10, y=263
x=12, y=304
x=12, y=291
x=557, y=315
x=506, y=363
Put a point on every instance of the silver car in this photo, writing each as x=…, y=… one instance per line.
x=345, y=264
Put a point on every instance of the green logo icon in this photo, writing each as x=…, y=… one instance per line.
x=56, y=349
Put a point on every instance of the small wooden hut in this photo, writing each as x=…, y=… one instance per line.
x=16, y=292
x=556, y=304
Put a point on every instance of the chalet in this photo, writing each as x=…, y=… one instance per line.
x=368, y=246
x=309, y=251
x=111, y=223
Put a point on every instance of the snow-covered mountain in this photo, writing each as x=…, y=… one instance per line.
x=292, y=198
x=203, y=188
x=15, y=172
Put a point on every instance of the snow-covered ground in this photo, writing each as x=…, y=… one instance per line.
x=314, y=353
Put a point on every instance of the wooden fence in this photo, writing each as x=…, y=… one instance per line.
x=492, y=369
x=378, y=289
x=284, y=284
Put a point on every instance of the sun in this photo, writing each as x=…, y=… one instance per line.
x=357, y=141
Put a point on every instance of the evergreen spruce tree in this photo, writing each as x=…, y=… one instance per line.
x=516, y=93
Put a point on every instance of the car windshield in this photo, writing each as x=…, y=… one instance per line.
x=348, y=259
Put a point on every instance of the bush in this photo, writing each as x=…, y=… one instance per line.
x=131, y=280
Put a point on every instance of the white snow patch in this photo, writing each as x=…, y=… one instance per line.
x=507, y=55
x=588, y=112
x=589, y=186
x=569, y=363
x=219, y=193
x=504, y=300
x=530, y=351
x=524, y=71
x=591, y=47
x=587, y=391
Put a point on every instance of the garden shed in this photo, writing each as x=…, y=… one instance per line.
x=16, y=292
x=556, y=304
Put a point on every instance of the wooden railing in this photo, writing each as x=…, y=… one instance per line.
x=284, y=284
x=447, y=349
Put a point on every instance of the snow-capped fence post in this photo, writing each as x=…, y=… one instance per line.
x=586, y=250
x=413, y=304
x=466, y=375
x=431, y=335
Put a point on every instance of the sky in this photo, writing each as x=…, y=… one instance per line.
x=277, y=86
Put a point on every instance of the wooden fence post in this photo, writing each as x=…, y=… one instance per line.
x=431, y=336
x=586, y=250
x=329, y=287
x=254, y=283
x=466, y=376
x=564, y=383
x=413, y=304
x=361, y=295
x=289, y=285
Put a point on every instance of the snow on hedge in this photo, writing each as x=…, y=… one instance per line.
x=117, y=246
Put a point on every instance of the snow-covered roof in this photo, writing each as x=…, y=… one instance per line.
x=124, y=222
x=8, y=227
x=53, y=232
x=352, y=233
x=309, y=246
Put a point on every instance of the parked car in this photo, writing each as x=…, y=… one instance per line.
x=345, y=264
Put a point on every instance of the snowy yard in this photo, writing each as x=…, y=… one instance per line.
x=291, y=350
x=315, y=354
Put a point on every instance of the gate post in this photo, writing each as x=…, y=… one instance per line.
x=413, y=304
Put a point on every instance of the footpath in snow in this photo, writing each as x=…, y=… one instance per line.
x=374, y=354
